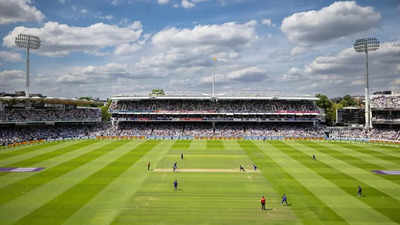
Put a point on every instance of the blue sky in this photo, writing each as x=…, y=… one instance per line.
x=103, y=48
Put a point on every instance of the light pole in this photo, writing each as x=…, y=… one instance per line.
x=213, y=82
x=366, y=45
x=28, y=42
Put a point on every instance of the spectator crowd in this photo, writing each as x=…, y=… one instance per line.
x=385, y=101
x=35, y=115
x=15, y=134
x=195, y=117
x=229, y=124
x=376, y=133
x=221, y=106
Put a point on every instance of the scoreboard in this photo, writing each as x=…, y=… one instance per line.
x=350, y=116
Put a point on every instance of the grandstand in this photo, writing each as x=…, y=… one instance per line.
x=46, y=110
x=38, y=118
x=234, y=116
x=386, y=109
x=184, y=117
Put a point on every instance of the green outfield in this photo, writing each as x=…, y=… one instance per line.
x=106, y=182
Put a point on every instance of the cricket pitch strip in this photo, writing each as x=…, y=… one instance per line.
x=165, y=170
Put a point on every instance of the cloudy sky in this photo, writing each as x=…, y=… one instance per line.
x=102, y=48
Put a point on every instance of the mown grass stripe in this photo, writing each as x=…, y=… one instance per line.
x=347, y=206
x=49, y=155
x=384, y=149
x=19, y=188
x=12, y=177
x=23, y=157
x=372, y=179
x=58, y=210
x=181, y=145
x=366, y=150
x=107, y=205
x=28, y=203
x=363, y=156
x=349, y=159
x=215, y=145
x=308, y=208
x=391, y=149
x=20, y=151
x=375, y=199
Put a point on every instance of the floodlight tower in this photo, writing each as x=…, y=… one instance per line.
x=366, y=45
x=28, y=42
x=213, y=81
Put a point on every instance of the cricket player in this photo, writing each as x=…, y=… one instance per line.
x=176, y=185
x=242, y=168
x=284, y=199
x=175, y=166
x=262, y=203
x=148, y=166
x=182, y=156
x=313, y=157
x=359, y=191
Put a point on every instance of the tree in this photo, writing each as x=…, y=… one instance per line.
x=326, y=104
x=348, y=101
x=157, y=92
x=87, y=98
x=105, y=114
x=323, y=102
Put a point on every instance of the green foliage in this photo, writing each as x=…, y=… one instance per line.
x=87, y=98
x=157, y=92
x=328, y=106
x=323, y=102
x=348, y=101
x=105, y=114
x=331, y=105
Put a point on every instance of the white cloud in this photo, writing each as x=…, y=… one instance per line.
x=10, y=56
x=187, y=4
x=244, y=75
x=299, y=50
x=11, y=80
x=115, y=2
x=62, y=1
x=293, y=74
x=226, y=34
x=267, y=22
x=126, y=49
x=337, y=20
x=175, y=47
x=61, y=39
x=358, y=82
x=19, y=11
x=162, y=2
x=106, y=17
x=249, y=74
x=98, y=74
x=344, y=72
x=84, y=11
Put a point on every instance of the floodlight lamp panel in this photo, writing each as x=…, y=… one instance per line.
x=366, y=44
x=27, y=41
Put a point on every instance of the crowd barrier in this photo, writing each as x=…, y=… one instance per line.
x=264, y=138
x=17, y=144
